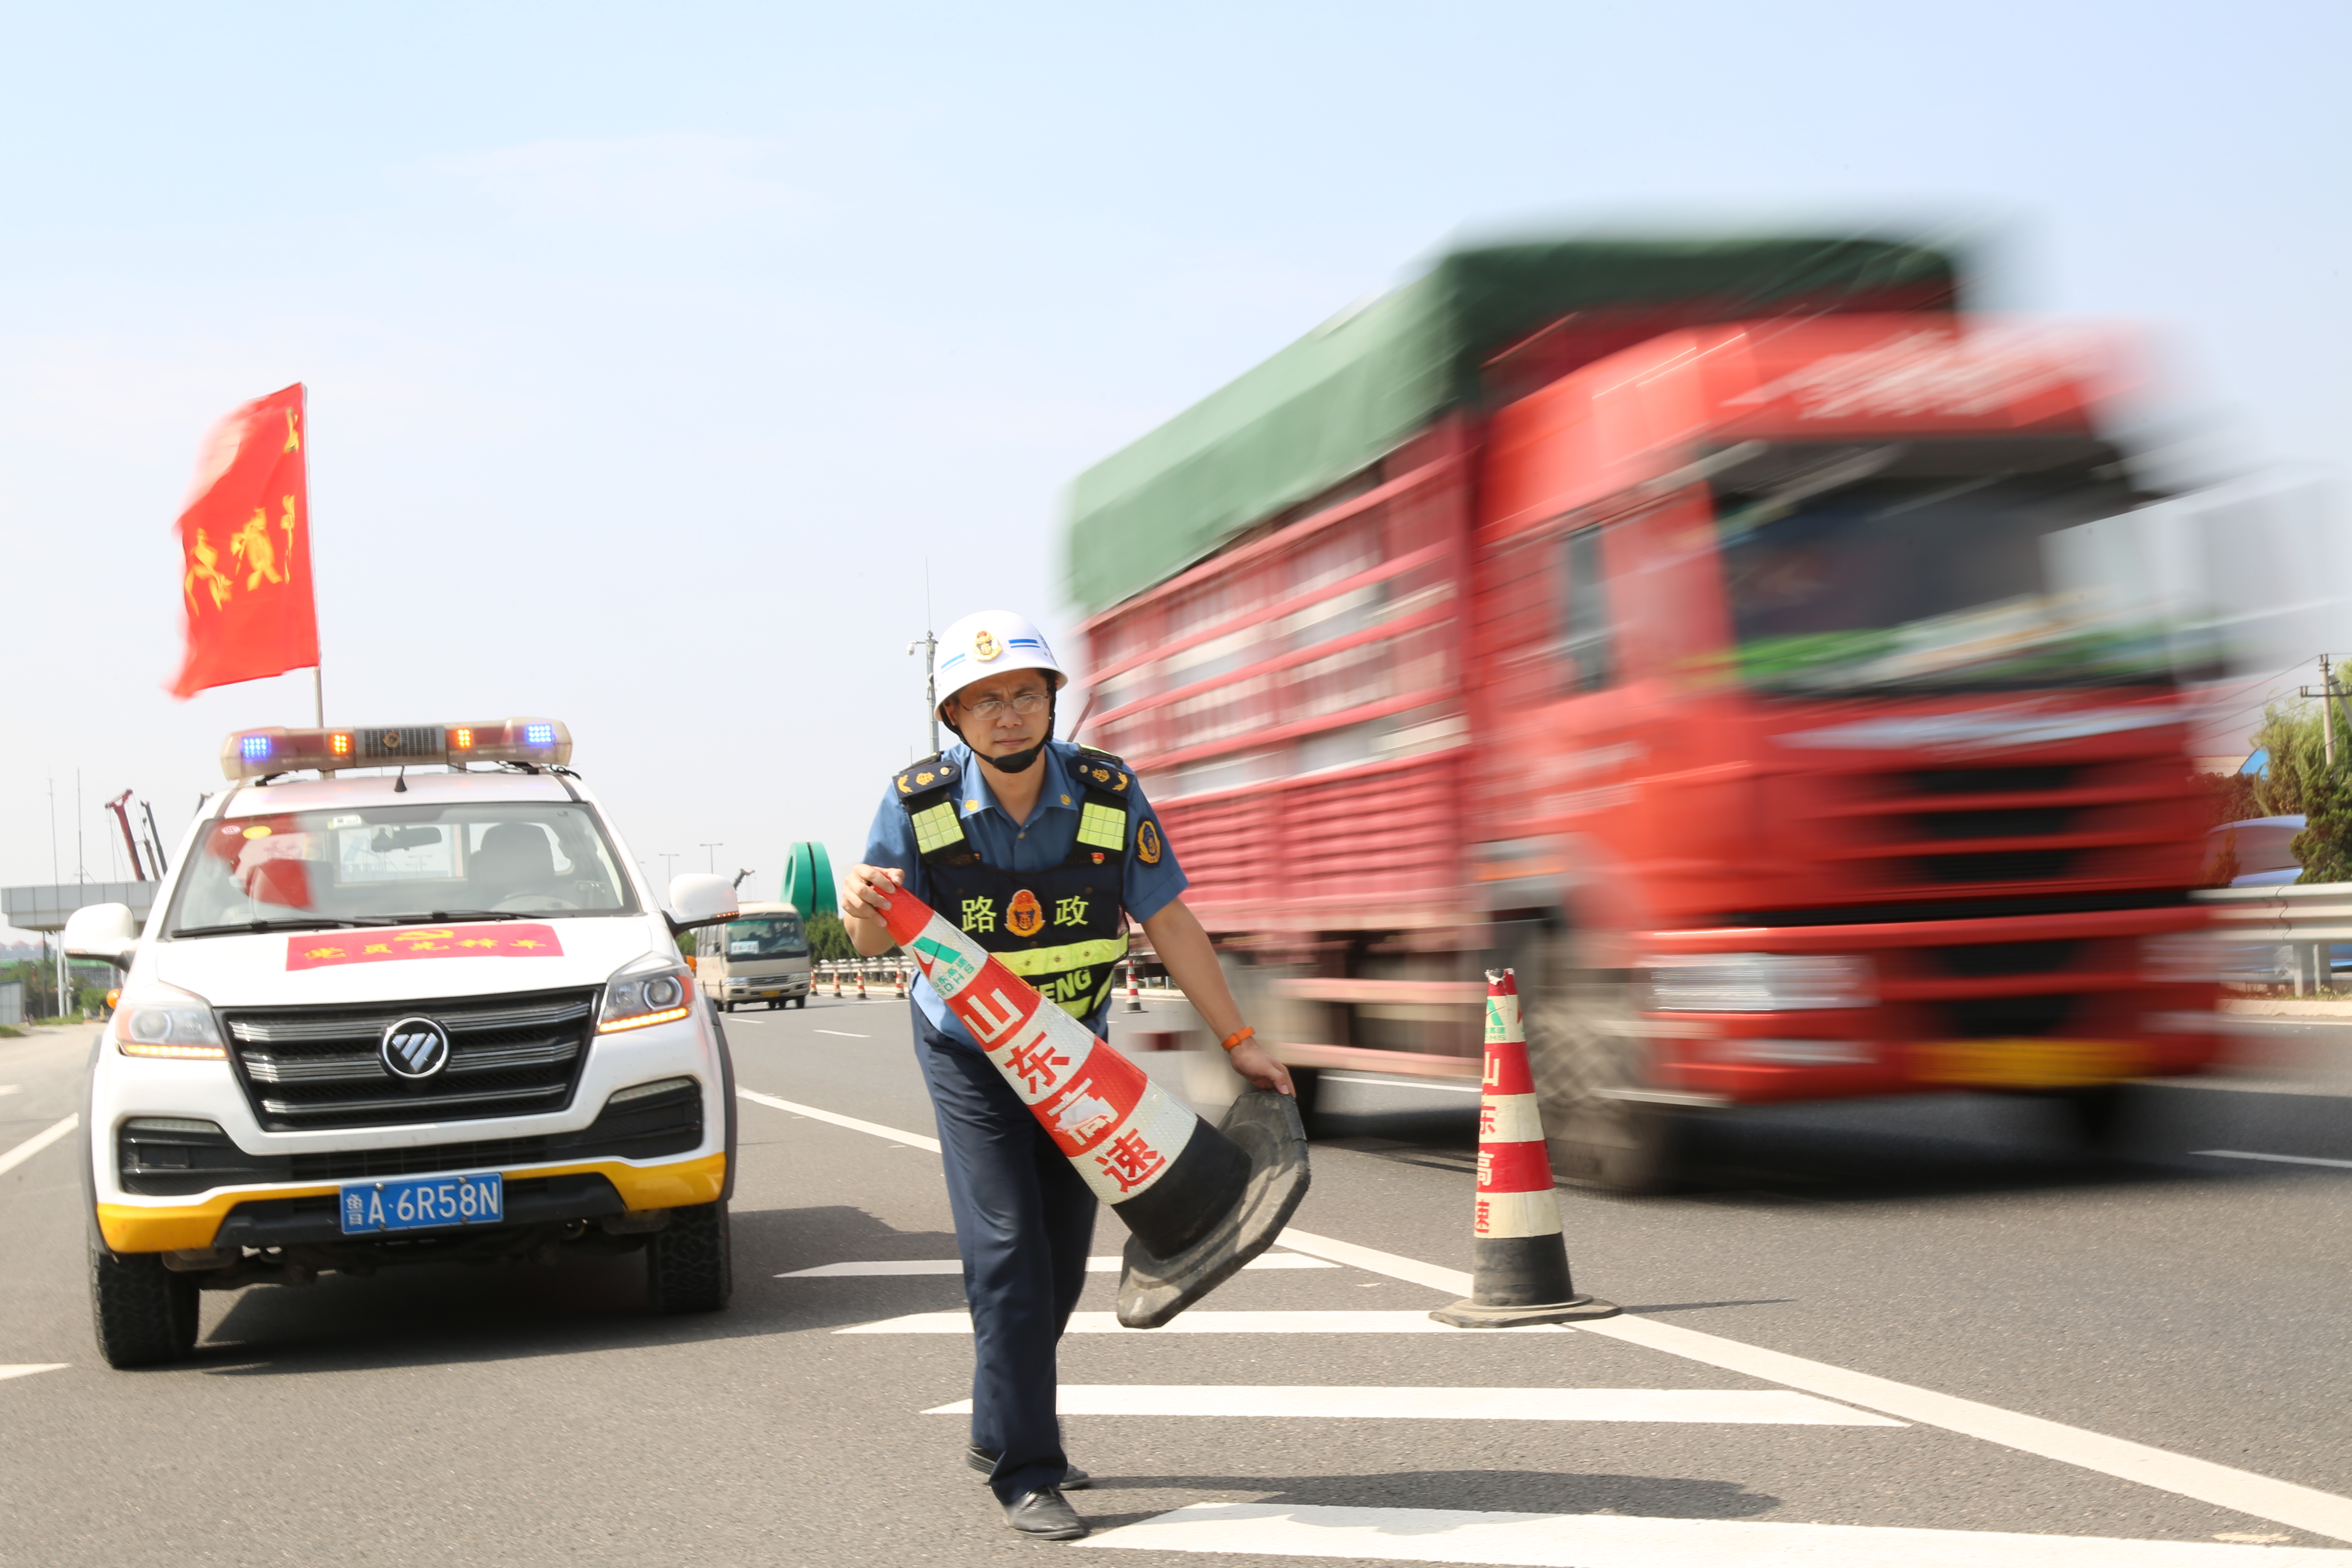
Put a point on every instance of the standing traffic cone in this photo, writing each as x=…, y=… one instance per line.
x=861, y=980
x=898, y=973
x=836, y=966
x=1198, y=1202
x=1519, y=1259
x=1134, y=1004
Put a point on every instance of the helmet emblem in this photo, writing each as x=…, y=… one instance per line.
x=984, y=645
x=415, y=1049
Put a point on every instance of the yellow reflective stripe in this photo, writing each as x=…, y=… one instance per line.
x=937, y=826
x=1070, y=955
x=1085, y=1005
x=1104, y=827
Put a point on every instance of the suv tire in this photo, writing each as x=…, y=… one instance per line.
x=145, y=1315
x=691, y=1263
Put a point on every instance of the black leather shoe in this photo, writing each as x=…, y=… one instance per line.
x=1043, y=1514
x=1074, y=1479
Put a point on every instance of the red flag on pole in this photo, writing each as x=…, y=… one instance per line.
x=244, y=545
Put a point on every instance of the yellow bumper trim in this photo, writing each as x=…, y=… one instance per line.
x=139, y=1228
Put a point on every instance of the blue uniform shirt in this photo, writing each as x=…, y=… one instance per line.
x=1037, y=845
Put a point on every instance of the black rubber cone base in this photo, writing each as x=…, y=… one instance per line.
x=1266, y=1124
x=1471, y=1315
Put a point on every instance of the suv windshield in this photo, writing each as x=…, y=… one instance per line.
x=771, y=936
x=1841, y=575
x=396, y=864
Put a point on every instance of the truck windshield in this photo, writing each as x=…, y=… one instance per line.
x=772, y=936
x=396, y=865
x=1855, y=578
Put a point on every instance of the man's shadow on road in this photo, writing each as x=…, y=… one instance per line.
x=1496, y=1491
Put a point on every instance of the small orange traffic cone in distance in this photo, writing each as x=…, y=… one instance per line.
x=1519, y=1259
x=899, y=972
x=861, y=980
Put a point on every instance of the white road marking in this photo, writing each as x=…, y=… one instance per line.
x=1748, y=1407
x=876, y=1128
x=1615, y=1540
x=27, y=1369
x=2306, y=1507
x=2281, y=1159
x=1200, y=1322
x=843, y=1035
x=1093, y=1265
x=37, y=1142
x=1440, y=1084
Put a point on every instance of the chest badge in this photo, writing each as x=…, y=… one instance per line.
x=1147, y=842
x=1024, y=915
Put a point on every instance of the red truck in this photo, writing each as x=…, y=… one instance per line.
x=1716, y=632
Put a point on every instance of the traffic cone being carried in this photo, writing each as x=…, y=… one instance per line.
x=1198, y=1200
x=1519, y=1259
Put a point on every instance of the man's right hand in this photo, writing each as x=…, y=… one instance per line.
x=866, y=891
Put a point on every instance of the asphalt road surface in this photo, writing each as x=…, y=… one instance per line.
x=1895, y=1333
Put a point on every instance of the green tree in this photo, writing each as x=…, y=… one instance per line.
x=2300, y=782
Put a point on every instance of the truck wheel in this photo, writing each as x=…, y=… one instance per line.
x=2094, y=1114
x=1586, y=1052
x=144, y=1313
x=689, y=1263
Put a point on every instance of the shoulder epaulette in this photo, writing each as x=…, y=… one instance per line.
x=931, y=772
x=1097, y=769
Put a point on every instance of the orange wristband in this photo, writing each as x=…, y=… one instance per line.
x=1238, y=1035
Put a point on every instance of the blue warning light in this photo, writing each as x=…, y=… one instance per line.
x=538, y=734
x=254, y=747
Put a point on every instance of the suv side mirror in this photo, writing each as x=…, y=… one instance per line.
x=102, y=931
x=696, y=899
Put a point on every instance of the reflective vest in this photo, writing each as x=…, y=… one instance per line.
x=1063, y=929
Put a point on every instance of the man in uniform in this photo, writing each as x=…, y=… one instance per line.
x=1039, y=850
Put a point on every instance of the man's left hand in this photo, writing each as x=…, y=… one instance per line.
x=1250, y=1060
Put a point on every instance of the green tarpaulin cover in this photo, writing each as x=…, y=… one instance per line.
x=1338, y=399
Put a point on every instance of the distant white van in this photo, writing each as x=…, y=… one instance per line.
x=761, y=956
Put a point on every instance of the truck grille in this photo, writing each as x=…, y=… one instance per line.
x=313, y=1068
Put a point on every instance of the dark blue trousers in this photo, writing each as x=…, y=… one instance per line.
x=1024, y=1221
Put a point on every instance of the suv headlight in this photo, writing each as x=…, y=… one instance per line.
x=1757, y=982
x=656, y=989
x=159, y=1020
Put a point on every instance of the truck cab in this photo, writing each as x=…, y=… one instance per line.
x=759, y=957
x=417, y=1006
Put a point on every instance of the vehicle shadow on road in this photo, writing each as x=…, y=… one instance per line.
x=1527, y=1491
x=434, y=1314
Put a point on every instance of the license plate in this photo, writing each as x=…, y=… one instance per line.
x=2025, y=1063
x=424, y=1202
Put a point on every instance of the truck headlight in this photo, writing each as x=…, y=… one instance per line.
x=159, y=1020
x=1757, y=982
x=656, y=989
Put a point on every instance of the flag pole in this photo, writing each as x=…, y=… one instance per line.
x=318, y=697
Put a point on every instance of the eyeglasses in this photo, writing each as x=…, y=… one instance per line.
x=1024, y=704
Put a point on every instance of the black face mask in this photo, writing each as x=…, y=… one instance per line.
x=1019, y=761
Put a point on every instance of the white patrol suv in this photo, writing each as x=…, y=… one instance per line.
x=400, y=1016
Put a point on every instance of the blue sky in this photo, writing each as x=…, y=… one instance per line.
x=652, y=353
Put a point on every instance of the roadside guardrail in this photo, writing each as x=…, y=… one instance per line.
x=2299, y=924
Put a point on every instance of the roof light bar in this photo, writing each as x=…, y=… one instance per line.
x=250, y=753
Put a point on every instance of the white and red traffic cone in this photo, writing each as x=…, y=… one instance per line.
x=836, y=978
x=1198, y=1200
x=861, y=980
x=1134, y=1003
x=898, y=974
x=1519, y=1259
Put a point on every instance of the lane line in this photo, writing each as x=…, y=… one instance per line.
x=37, y=1142
x=842, y=1035
x=2306, y=1507
x=1743, y=1407
x=1404, y=1082
x=955, y=1266
x=854, y=1125
x=2281, y=1159
x=27, y=1369
x=1201, y=1323
x=1615, y=1541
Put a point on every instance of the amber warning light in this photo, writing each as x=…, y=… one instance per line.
x=252, y=753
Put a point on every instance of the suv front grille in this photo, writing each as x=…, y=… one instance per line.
x=306, y=1069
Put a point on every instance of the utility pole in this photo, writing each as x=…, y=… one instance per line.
x=929, y=643
x=2327, y=711
x=669, y=869
x=711, y=852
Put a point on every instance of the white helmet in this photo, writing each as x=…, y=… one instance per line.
x=988, y=643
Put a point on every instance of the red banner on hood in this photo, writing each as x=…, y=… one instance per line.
x=324, y=950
